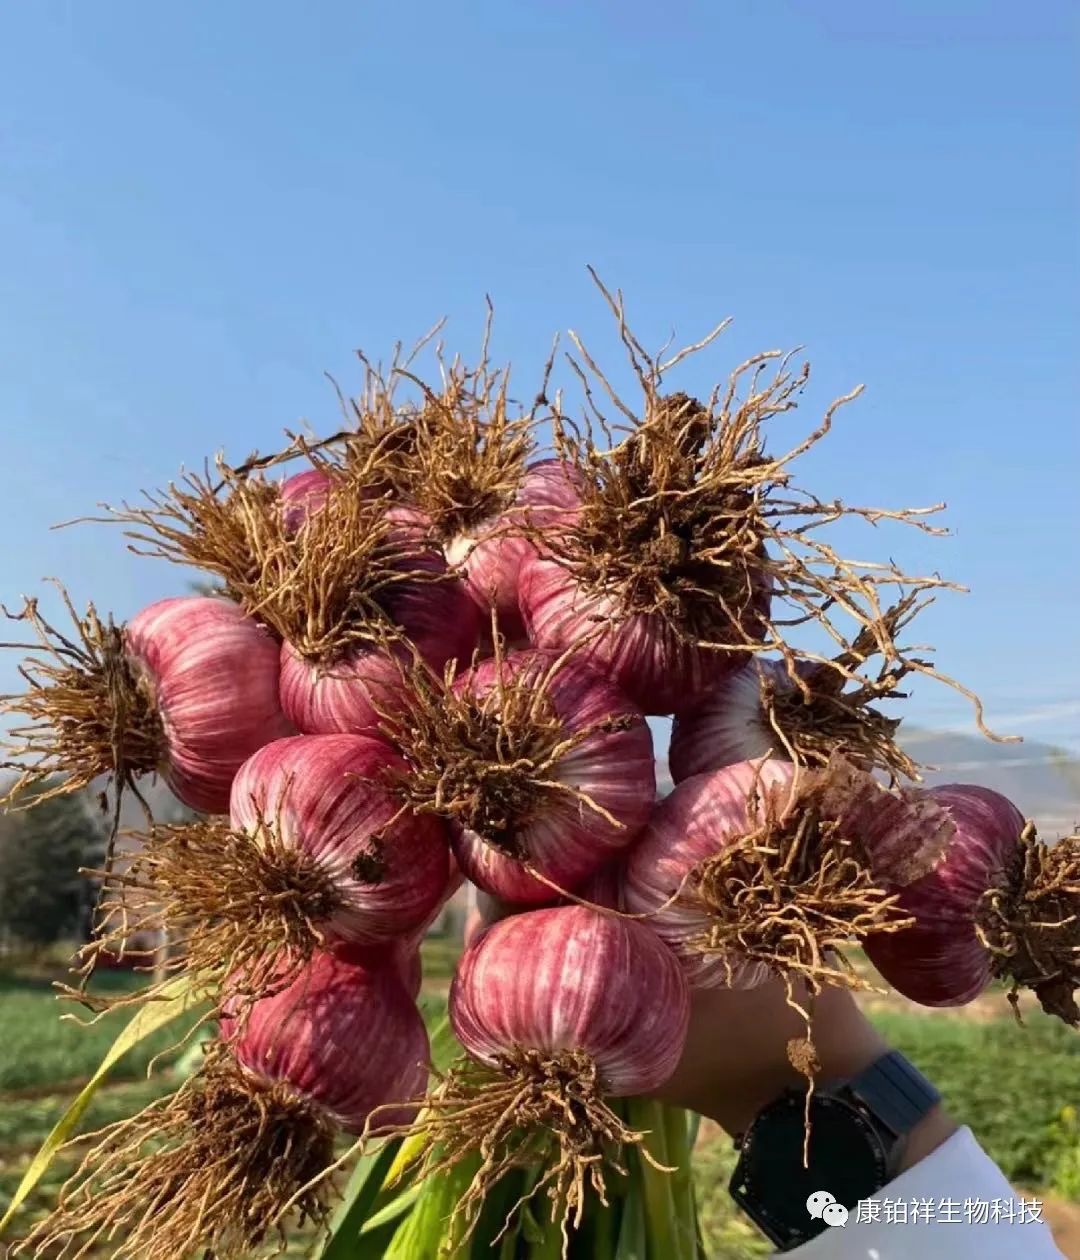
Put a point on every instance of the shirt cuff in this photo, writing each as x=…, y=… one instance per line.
x=956, y=1204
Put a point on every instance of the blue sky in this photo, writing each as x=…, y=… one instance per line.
x=205, y=208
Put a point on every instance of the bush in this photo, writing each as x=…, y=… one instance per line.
x=43, y=898
x=1065, y=1152
x=1009, y=1083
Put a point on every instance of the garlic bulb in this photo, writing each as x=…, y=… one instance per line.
x=726, y=724
x=570, y=979
x=326, y=805
x=211, y=676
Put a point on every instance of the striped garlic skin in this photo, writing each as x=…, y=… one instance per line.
x=438, y=618
x=302, y=494
x=342, y=1035
x=570, y=978
x=214, y=674
x=645, y=656
x=695, y=822
x=349, y=696
x=404, y=952
x=564, y=839
x=308, y=492
x=327, y=796
x=493, y=554
x=939, y=961
x=726, y=725
x=603, y=887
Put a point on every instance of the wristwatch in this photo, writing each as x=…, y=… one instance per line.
x=857, y=1132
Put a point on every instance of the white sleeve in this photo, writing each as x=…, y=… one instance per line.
x=953, y=1205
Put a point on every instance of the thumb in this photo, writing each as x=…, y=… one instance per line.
x=486, y=910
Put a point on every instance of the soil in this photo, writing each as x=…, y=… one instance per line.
x=1063, y=1218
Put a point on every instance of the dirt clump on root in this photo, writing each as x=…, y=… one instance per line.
x=1031, y=925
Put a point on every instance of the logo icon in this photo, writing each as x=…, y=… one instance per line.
x=818, y=1202
x=823, y=1206
x=835, y=1214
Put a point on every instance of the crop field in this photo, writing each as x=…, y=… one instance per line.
x=1012, y=1084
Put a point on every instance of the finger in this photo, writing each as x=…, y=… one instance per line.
x=492, y=909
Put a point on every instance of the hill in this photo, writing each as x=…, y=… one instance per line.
x=1043, y=781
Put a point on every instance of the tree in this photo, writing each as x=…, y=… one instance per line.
x=43, y=898
x=205, y=587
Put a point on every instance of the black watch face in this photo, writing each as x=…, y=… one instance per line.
x=847, y=1160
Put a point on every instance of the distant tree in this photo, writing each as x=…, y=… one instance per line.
x=203, y=586
x=43, y=898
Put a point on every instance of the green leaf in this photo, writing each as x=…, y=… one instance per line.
x=493, y=1224
x=508, y=1248
x=378, y=1192
x=394, y=1210
x=445, y=1047
x=178, y=998
x=191, y=1060
x=410, y=1151
x=680, y=1127
x=604, y=1223
x=531, y=1229
x=652, y=1184
x=427, y=1231
x=363, y=1189
x=695, y=1129
x=632, y=1236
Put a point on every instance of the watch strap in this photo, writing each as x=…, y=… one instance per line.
x=895, y=1092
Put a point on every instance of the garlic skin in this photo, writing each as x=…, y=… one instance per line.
x=344, y=1036
x=328, y=796
x=727, y=724
x=603, y=887
x=308, y=492
x=940, y=961
x=214, y=676
x=570, y=978
x=350, y=695
x=403, y=954
x=695, y=822
x=411, y=971
x=563, y=838
x=656, y=667
x=302, y=494
x=402, y=957
x=494, y=552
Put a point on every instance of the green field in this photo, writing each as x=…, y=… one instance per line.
x=46, y=1040
x=1009, y=1083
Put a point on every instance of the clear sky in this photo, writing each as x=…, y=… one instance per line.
x=203, y=208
